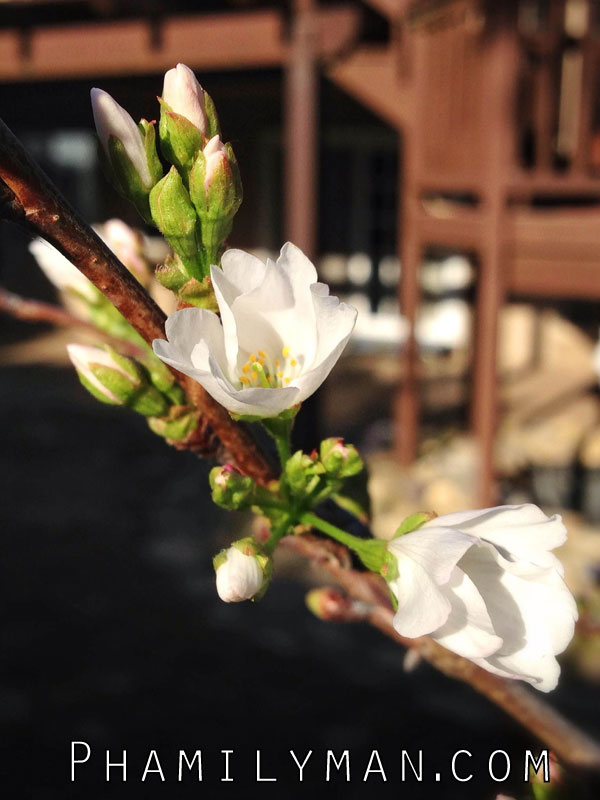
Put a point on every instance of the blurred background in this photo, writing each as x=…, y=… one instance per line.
x=440, y=162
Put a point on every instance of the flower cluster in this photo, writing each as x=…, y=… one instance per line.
x=261, y=338
x=193, y=205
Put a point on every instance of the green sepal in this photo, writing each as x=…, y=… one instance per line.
x=95, y=392
x=126, y=179
x=199, y=293
x=163, y=379
x=150, y=403
x=413, y=522
x=270, y=423
x=180, y=422
x=148, y=131
x=212, y=120
x=133, y=391
x=172, y=274
x=174, y=216
x=352, y=506
x=180, y=139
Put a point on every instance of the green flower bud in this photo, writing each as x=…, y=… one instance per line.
x=301, y=473
x=174, y=216
x=334, y=606
x=230, y=489
x=129, y=150
x=180, y=422
x=117, y=380
x=216, y=191
x=340, y=460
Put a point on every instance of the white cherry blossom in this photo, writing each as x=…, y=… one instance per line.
x=279, y=335
x=485, y=585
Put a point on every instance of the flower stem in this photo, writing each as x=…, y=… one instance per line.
x=281, y=431
x=372, y=552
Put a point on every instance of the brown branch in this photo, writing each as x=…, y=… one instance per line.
x=29, y=198
x=35, y=311
x=568, y=742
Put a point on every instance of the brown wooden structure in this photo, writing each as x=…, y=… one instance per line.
x=496, y=104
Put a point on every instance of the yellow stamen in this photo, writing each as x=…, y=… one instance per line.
x=276, y=362
x=262, y=354
x=285, y=352
x=261, y=361
x=245, y=381
x=287, y=380
x=252, y=358
x=280, y=374
x=246, y=369
x=293, y=362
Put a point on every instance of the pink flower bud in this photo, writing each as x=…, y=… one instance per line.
x=184, y=95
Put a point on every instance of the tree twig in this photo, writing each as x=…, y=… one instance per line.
x=29, y=198
x=36, y=311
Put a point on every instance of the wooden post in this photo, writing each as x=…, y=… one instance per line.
x=300, y=131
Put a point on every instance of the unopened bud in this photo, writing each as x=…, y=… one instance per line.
x=243, y=571
x=116, y=380
x=335, y=606
x=127, y=244
x=184, y=95
x=187, y=118
x=230, y=489
x=340, y=460
x=59, y=270
x=180, y=422
x=130, y=150
x=174, y=216
x=216, y=191
x=301, y=472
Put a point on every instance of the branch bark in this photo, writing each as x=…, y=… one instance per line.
x=28, y=198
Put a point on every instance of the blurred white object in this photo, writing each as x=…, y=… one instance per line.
x=359, y=268
x=389, y=271
x=333, y=268
x=450, y=275
x=444, y=325
x=60, y=271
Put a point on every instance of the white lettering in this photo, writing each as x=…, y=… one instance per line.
x=454, y=757
x=378, y=769
x=301, y=765
x=78, y=760
x=331, y=757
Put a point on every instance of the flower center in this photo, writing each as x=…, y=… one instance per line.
x=270, y=373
